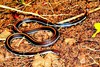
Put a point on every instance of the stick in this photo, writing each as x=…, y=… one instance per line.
x=2, y=39
x=94, y=10
x=61, y=22
x=72, y=18
x=91, y=49
x=94, y=62
x=77, y=16
x=13, y=9
x=56, y=15
x=20, y=41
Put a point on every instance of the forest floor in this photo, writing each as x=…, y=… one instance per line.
x=76, y=45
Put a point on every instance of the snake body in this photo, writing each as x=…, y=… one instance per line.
x=21, y=34
x=49, y=26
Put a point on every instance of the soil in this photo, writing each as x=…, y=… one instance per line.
x=80, y=49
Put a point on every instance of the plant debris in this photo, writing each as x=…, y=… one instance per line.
x=4, y=34
x=77, y=45
x=70, y=41
x=49, y=60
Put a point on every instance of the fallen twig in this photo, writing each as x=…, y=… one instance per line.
x=90, y=48
x=2, y=39
x=51, y=7
x=41, y=16
x=31, y=13
x=59, y=28
x=13, y=9
x=56, y=15
x=94, y=62
x=72, y=18
x=20, y=41
x=77, y=16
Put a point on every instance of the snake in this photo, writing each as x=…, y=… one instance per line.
x=47, y=26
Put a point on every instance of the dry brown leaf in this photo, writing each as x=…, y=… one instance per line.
x=4, y=34
x=82, y=59
x=2, y=58
x=38, y=61
x=47, y=61
x=70, y=41
x=8, y=55
x=49, y=58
